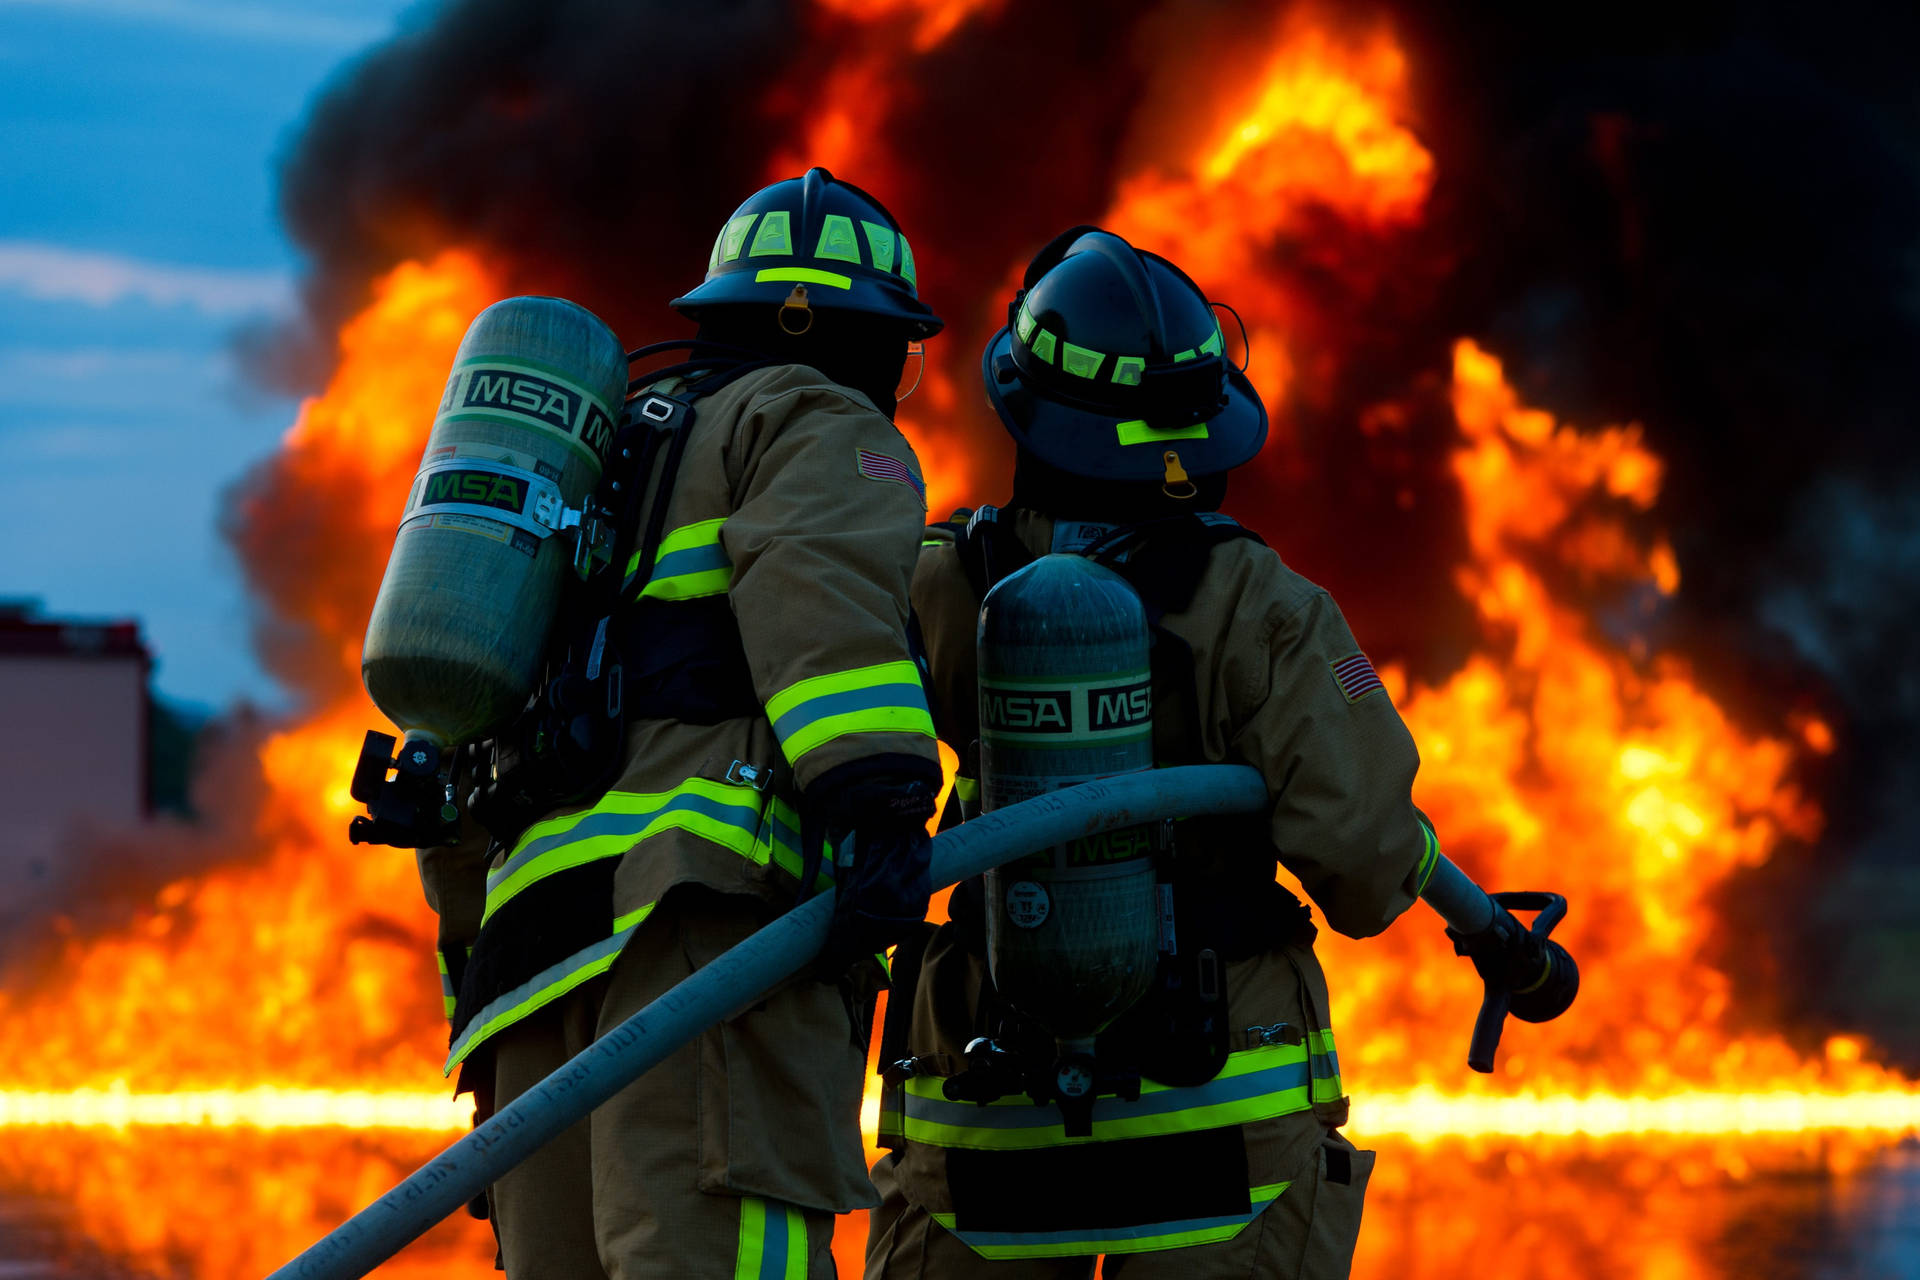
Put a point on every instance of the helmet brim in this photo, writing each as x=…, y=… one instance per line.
x=1086, y=442
x=862, y=295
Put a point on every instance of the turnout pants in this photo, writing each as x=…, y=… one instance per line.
x=725, y=1162
x=1308, y=1233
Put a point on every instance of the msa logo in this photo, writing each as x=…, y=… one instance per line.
x=1122, y=706
x=597, y=431
x=476, y=488
x=524, y=393
x=1029, y=711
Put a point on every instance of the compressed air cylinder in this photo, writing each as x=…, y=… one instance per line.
x=1066, y=696
x=524, y=429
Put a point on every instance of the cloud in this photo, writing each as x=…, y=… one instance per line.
x=244, y=21
x=55, y=274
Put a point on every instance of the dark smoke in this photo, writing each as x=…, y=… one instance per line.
x=1702, y=218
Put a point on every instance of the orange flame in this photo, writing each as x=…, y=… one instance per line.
x=1553, y=758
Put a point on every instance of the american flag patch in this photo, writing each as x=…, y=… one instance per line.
x=878, y=466
x=1355, y=676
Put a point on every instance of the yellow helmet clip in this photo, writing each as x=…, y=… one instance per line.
x=1177, y=483
x=796, y=301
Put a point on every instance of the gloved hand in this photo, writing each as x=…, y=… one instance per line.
x=1538, y=972
x=875, y=815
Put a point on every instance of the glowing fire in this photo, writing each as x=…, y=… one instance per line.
x=296, y=988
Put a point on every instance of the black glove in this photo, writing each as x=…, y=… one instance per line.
x=1537, y=972
x=874, y=813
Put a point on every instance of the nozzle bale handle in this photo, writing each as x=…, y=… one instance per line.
x=1482, y=926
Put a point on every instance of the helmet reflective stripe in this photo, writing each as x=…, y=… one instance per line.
x=1127, y=369
x=804, y=275
x=734, y=234
x=837, y=240
x=1079, y=361
x=814, y=221
x=1042, y=346
x=774, y=235
x=1139, y=431
x=880, y=241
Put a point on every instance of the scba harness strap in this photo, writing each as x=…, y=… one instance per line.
x=617, y=653
x=1178, y=1034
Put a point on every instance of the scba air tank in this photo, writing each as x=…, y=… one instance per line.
x=1066, y=696
x=460, y=627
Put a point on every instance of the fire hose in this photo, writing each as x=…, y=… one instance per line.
x=741, y=975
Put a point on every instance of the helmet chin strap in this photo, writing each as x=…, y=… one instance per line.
x=919, y=370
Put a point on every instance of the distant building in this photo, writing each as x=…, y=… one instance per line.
x=75, y=729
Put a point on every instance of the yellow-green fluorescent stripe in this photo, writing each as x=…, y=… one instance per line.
x=773, y=1241
x=775, y=235
x=448, y=996
x=1143, y=1238
x=1004, y=1125
x=968, y=789
x=753, y=1234
x=690, y=564
x=837, y=240
x=819, y=709
x=1429, y=854
x=734, y=235
x=880, y=241
x=1138, y=432
x=803, y=275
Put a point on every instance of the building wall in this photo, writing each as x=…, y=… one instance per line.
x=73, y=752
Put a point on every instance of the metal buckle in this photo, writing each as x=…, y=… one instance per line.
x=742, y=774
x=655, y=409
x=1276, y=1033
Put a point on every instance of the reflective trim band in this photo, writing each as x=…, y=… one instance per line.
x=1138, y=432
x=1181, y=357
x=1324, y=1063
x=1042, y=346
x=727, y=815
x=690, y=564
x=880, y=244
x=734, y=235
x=887, y=698
x=906, y=262
x=1142, y=1238
x=773, y=1241
x=805, y=275
x=1127, y=370
x=774, y=235
x=448, y=995
x=1255, y=1084
x=543, y=989
x=1429, y=855
x=1081, y=362
x=968, y=789
x=1211, y=347
x=837, y=239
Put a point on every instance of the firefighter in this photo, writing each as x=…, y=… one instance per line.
x=1111, y=377
x=773, y=711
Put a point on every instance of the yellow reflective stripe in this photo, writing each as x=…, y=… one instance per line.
x=774, y=236
x=837, y=239
x=623, y=923
x=1042, y=345
x=538, y=997
x=914, y=720
x=1082, y=362
x=1238, y=1095
x=1138, y=432
x=734, y=235
x=1001, y=1246
x=1429, y=856
x=885, y=698
x=906, y=263
x=753, y=1234
x=880, y=241
x=690, y=563
x=803, y=275
x=968, y=789
x=726, y=814
x=692, y=586
x=773, y=1241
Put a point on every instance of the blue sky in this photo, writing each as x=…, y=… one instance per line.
x=137, y=233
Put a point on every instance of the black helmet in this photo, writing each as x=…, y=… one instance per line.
x=1111, y=361
x=829, y=239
